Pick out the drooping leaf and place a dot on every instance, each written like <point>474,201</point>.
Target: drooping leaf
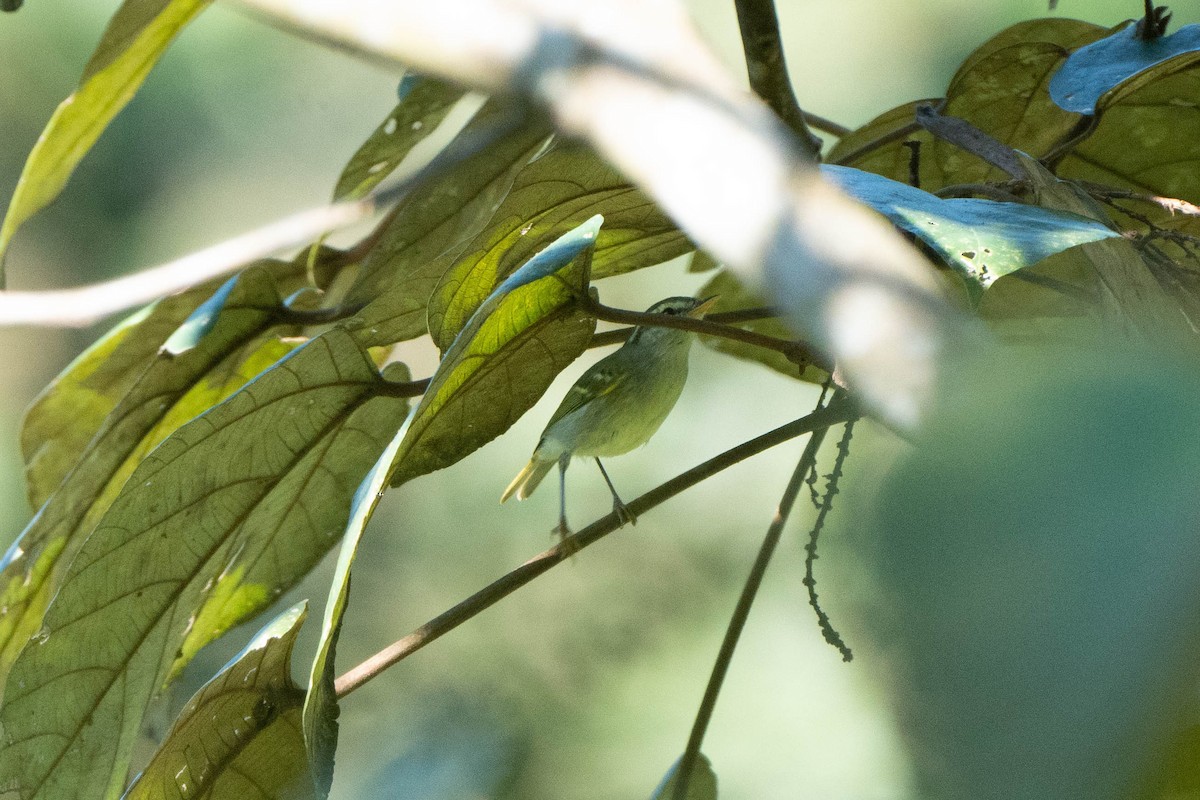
<point>423,106</point>
<point>133,42</point>
<point>981,239</point>
<point>321,706</point>
<point>505,358</point>
<point>31,570</point>
<point>239,737</point>
<point>1124,60</point>
<point>1001,88</point>
<point>701,786</point>
<point>731,296</point>
<point>404,267</point>
<point>553,195</point>
<point>257,488</point>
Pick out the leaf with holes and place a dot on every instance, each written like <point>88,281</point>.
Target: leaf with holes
<point>1001,88</point>
<point>980,239</point>
<point>1123,61</point>
<point>403,268</point>
<point>136,37</point>
<point>506,357</point>
<point>553,195</point>
<point>239,737</point>
<point>701,786</point>
<point>258,486</point>
<point>170,391</point>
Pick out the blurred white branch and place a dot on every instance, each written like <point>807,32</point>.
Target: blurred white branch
<point>85,305</point>
<point>634,79</point>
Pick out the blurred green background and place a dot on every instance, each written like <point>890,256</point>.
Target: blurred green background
<point>584,684</point>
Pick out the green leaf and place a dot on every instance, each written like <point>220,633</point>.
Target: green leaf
<point>170,391</point>
<point>1000,88</point>
<point>239,737</point>
<point>425,103</point>
<point>506,357</point>
<point>731,296</point>
<point>553,195</point>
<point>321,705</point>
<point>701,786</point>
<point>66,415</point>
<point>258,488</point>
<point>1123,60</point>
<point>135,39</point>
<point>981,239</point>
<point>404,267</point>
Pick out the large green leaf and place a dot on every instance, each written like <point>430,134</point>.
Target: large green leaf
<point>982,239</point>
<point>135,39</point>
<point>424,103</point>
<point>239,737</point>
<point>731,296</point>
<point>66,415</point>
<point>171,390</point>
<point>1000,88</point>
<point>405,265</point>
<point>1124,60</point>
<point>701,786</point>
<point>505,358</point>
<point>253,491</point>
<point>556,193</point>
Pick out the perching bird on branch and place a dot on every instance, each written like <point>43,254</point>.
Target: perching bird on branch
<point>616,406</point>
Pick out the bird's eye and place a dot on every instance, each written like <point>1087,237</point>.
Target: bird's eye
<point>671,310</point>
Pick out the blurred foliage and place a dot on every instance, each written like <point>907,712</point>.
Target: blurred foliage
<point>201,458</point>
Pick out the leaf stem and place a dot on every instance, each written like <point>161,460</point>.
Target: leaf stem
<point>767,68</point>
<point>819,420</point>
<point>742,610</point>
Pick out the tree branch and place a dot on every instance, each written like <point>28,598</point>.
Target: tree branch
<point>741,611</point>
<point>447,621</point>
<point>767,67</point>
<point>635,80</point>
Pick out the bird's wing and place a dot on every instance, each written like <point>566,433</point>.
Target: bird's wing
<point>595,383</point>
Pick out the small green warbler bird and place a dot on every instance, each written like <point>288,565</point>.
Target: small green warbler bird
<point>615,406</point>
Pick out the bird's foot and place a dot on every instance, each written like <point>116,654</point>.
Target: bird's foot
<point>564,533</point>
<point>624,515</point>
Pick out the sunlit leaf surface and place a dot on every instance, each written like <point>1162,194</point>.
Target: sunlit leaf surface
<point>982,239</point>
<point>239,737</point>
<point>503,361</point>
<point>557,192</point>
<point>136,37</point>
<point>1093,71</point>
<point>258,486</point>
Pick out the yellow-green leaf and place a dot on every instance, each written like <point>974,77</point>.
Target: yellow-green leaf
<point>135,39</point>
<point>553,195</point>
<point>239,737</point>
<point>504,360</point>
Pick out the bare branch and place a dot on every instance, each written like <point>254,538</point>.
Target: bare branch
<point>499,589</point>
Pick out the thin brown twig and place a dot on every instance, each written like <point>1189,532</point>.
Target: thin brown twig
<point>796,352</point>
<point>741,611</point>
<point>882,141</point>
<point>450,619</point>
<point>619,335</point>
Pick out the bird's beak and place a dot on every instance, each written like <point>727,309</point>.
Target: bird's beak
<point>705,306</point>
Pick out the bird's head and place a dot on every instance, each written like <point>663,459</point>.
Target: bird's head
<point>659,336</point>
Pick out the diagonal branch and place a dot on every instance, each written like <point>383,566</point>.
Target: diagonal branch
<point>447,621</point>
<point>767,67</point>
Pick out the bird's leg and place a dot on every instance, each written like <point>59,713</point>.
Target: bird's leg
<point>620,509</point>
<point>563,530</point>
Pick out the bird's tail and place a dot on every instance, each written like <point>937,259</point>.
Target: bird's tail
<point>527,479</point>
